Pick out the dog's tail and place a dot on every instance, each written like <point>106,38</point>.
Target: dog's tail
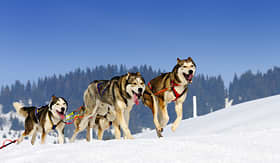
<point>20,109</point>
<point>149,99</point>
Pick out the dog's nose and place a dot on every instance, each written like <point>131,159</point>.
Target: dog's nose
<point>140,90</point>
<point>191,72</point>
<point>62,109</point>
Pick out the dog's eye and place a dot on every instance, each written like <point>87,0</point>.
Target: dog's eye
<point>185,66</point>
<point>134,83</point>
<point>192,66</point>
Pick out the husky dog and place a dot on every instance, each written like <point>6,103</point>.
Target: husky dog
<point>43,119</point>
<point>104,118</point>
<point>111,101</point>
<point>169,87</point>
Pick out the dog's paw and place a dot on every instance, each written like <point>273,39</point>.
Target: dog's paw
<point>173,128</point>
<point>129,137</point>
<point>72,141</point>
<point>159,131</point>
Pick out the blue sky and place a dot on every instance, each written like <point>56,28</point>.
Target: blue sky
<point>43,37</point>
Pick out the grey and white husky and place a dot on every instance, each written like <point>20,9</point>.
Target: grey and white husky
<point>110,102</point>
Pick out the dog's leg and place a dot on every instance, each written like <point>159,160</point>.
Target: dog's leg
<point>89,131</point>
<point>100,133</point>
<point>34,137</point>
<point>179,112</point>
<point>127,117</point>
<point>163,114</point>
<point>123,124</point>
<point>21,137</point>
<point>104,124</point>
<point>117,129</point>
<point>78,129</point>
<point>60,134</point>
<point>43,138</point>
<point>155,115</point>
<point>90,114</point>
<point>74,135</point>
<point>151,101</point>
<point>28,128</point>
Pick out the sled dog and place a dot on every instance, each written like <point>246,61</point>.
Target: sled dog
<point>110,102</point>
<point>43,119</point>
<point>169,87</point>
<point>104,118</point>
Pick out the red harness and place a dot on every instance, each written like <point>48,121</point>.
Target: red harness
<point>173,85</point>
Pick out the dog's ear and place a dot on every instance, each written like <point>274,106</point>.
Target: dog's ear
<point>178,60</point>
<point>128,75</point>
<point>52,99</point>
<point>138,73</point>
<point>191,60</point>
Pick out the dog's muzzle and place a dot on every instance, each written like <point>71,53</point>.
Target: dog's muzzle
<point>137,96</point>
<point>189,76</point>
<point>61,114</point>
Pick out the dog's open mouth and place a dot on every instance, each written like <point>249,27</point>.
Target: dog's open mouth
<point>188,77</point>
<point>136,97</point>
<point>61,115</point>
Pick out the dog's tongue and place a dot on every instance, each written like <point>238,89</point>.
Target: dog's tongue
<point>135,98</point>
<point>190,77</point>
<point>61,116</point>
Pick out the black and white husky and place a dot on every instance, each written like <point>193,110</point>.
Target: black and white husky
<point>43,119</point>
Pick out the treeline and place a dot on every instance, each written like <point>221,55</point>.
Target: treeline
<point>210,91</point>
<point>250,86</point>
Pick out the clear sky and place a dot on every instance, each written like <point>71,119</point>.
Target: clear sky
<point>43,37</point>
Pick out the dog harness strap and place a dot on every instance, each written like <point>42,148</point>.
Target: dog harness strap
<point>78,109</point>
<point>173,84</point>
<point>54,125</point>
<point>72,114</point>
<point>161,91</point>
<point>150,86</point>
<point>177,95</point>
<point>51,120</point>
<point>10,142</point>
<point>37,115</point>
<point>99,89</point>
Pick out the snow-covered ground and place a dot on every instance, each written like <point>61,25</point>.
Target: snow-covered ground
<point>247,133</point>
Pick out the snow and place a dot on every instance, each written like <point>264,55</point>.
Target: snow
<point>245,133</point>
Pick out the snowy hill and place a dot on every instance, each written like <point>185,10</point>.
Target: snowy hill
<point>247,133</point>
